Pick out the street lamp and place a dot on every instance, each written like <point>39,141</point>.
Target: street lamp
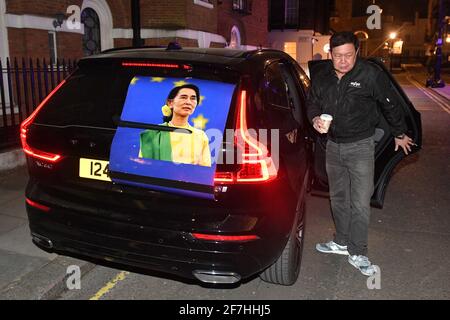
<point>392,37</point>
<point>447,19</point>
<point>313,41</point>
<point>326,49</point>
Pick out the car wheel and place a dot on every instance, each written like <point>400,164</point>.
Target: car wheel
<point>286,269</point>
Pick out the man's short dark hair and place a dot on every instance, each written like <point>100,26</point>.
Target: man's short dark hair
<point>343,37</point>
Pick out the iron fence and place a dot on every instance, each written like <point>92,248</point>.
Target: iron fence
<point>24,83</point>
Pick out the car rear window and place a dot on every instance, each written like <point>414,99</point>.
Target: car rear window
<point>89,98</point>
<point>95,96</point>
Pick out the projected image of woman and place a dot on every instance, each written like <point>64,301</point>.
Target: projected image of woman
<point>189,146</point>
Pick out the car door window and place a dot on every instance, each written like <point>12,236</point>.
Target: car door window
<point>276,88</point>
<point>279,107</point>
<point>305,82</point>
<point>285,113</point>
<point>293,92</point>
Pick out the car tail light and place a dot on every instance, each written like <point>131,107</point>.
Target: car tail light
<point>217,237</point>
<point>33,152</point>
<point>257,166</point>
<point>156,65</point>
<point>37,205</point>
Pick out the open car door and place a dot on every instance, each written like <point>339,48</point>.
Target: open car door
<point>385,157</point>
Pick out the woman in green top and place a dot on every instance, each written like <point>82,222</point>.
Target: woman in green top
<point>178,147</point>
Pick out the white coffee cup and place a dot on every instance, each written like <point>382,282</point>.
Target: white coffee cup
<point>326,118</point>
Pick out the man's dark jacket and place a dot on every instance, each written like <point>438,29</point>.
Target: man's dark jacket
<point>352,101</point>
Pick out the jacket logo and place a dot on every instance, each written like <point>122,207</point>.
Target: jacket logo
<point>355,84</point>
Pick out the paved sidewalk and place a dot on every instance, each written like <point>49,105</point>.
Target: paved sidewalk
<point>26,272</point>
<point>419,73</point>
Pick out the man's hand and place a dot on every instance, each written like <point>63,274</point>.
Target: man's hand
<point>318,124</point>
<point>292,136</point>
<point>405,143</point>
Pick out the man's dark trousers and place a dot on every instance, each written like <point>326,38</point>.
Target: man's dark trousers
<point>350,169</point>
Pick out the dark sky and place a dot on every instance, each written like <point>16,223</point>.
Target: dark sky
<point>402,10</point>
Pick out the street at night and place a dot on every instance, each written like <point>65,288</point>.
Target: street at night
<point>225,158</point>
<point>408,238</point>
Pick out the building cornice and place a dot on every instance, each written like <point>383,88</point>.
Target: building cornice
<point>46,23</point>
<point>36,22</point>
<point>203,38</point>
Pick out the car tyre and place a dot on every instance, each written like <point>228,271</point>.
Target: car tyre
<point>286,269</point>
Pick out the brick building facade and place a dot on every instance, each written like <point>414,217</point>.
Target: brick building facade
<point>300,28</point>
<point>413,25</point>
<point>28,28</point>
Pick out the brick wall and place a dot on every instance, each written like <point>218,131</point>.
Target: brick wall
<point>178,14</point>
<point>201,18</point>
<point>121,43</point>
<point>253,27</point>
<point>69,45</point>
<point>39,7</point>
<point>22,40</point>
<point>34,43</point>
<point>216,45</point>
<point>121,12</point>
<point>155,14</point>
<point>166,14</point>
<point>164,41</point>
<point>120,9</point>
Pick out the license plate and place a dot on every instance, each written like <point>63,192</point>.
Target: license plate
<point>94,169</point>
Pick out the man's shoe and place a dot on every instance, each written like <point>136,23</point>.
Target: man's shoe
<point>332,247</point>
<point>363,264</point>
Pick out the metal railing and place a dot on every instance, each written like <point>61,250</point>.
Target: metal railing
<point>24,84</point>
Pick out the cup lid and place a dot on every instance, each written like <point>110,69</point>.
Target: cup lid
<point>325,116</point>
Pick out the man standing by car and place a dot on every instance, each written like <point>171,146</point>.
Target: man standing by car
<point>349,89</point>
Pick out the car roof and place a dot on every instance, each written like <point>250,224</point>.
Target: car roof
<point>222,56</point>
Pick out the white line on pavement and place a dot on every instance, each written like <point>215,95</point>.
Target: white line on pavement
<point>439,101</point>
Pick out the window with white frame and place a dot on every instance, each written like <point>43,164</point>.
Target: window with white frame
<point>242,6</point>
<point>92,32</point>
<point>291,13</point>
<point>52,46</point>
<point>235,39</point>
<point>291,49</point>
<point>205,3</point>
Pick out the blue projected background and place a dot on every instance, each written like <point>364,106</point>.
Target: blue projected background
<point>145,98</point>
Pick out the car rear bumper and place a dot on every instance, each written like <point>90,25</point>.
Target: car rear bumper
<point>168,251</point>
<point>154,231</point>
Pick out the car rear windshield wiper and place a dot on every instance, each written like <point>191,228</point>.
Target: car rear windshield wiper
<point>141,125</point>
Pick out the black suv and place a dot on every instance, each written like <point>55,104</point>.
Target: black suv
<point>91,193</point>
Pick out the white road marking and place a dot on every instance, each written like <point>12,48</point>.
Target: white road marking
<point>433,96</point>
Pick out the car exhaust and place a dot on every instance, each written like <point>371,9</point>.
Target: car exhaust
<point>42,241</point>
<point>217,277</point>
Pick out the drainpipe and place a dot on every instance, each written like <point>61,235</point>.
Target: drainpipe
<point>438,82</point>
<point>136,23</point>
<point>435,81</point>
